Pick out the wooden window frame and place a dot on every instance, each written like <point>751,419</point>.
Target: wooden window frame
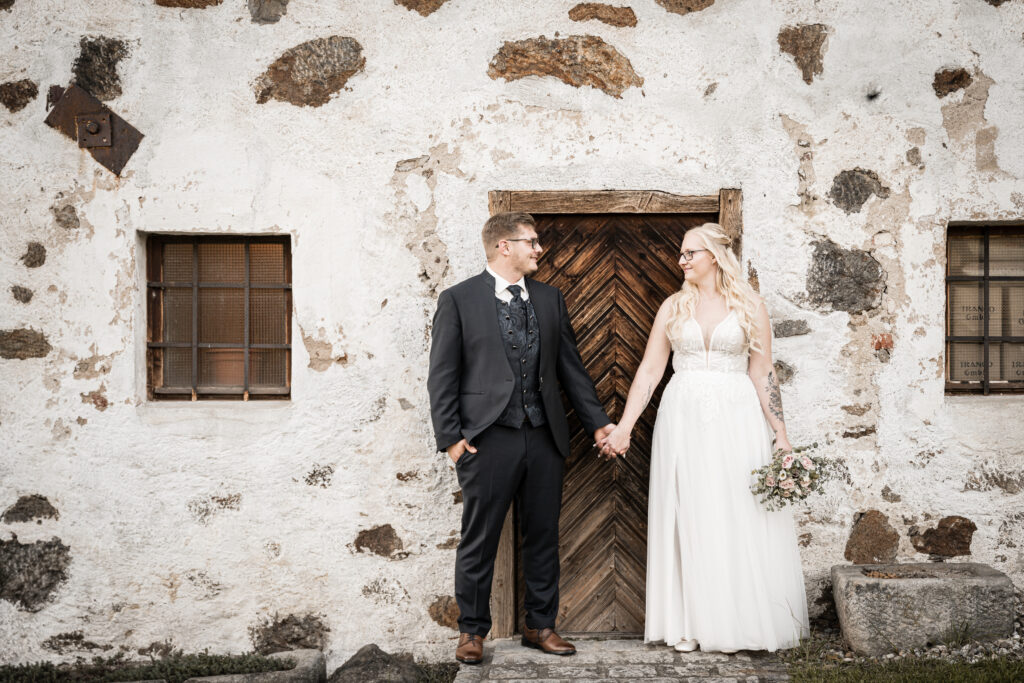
<point>727,204</point>
<point>985,387</point>
<point>155,334</point>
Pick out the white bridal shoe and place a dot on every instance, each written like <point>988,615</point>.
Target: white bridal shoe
<point>686,645</point>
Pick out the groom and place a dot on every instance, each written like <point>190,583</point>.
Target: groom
<point>501,347</point>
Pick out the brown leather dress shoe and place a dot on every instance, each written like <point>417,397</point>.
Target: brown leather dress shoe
<point>470,649</point>
<point>547,640</point>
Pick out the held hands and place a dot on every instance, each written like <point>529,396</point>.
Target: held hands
<point>612,441</point>
<point>456,450</point>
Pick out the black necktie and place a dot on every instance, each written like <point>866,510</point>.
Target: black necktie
<point>515,289</point>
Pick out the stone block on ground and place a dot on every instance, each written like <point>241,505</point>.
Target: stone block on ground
<point>887,607</point>
<point>371,663</point>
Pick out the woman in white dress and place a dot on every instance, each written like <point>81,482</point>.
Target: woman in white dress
<point>722,572</point>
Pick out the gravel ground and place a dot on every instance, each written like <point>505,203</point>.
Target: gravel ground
<point>826,644</point>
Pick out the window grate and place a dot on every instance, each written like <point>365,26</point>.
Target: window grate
<point>985,309</point>
<point>219,312</point>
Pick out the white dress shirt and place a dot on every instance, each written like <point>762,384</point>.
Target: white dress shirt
<point>501,286</point>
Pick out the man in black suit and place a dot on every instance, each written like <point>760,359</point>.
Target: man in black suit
<point>501,347</point>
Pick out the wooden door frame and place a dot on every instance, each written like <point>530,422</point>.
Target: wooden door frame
<point>728,204</point>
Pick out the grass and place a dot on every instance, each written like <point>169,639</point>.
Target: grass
<point>909,671</point>
<point>438,673</point>
<point>174,669</point>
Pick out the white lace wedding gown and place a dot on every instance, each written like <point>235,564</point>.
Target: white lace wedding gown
<point>720,568</point>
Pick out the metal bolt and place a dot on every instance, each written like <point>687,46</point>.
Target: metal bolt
<point>92,127</point>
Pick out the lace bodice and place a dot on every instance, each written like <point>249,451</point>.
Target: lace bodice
<point>726,353</point>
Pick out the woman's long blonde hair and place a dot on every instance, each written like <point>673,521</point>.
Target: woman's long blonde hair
<point>739,295</point>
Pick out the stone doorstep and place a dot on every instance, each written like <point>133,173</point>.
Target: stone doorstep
<point>507,661</point>
<point>921,604</point>
<point>310,667</point>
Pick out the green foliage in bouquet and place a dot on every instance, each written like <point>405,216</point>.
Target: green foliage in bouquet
<point>791,476</point>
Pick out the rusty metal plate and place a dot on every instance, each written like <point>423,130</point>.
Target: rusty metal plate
<point>93,130</point>
<point>72,104</point>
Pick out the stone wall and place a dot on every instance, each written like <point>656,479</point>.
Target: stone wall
<point>371,136</point>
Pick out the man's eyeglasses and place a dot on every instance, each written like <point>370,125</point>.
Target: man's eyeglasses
<point>534,242</point>
<point>688,254</point>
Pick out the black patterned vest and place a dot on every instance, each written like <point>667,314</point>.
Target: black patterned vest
<point>520,333</point>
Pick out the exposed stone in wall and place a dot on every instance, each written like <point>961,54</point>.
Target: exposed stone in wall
<point>445,611</point>
<point>370,663</point>
<point>790,328</point>
<point>92,367</point>
<point>783,371</point>
<point>805,43</point>
<point>321,352</point>
<point>575,60</point>
<point>950,80</point>
<point>803,148</point>
<point>964,121</point>
<point>859,432</point>
<point>450,543</point>
<point>15,95</point>
<point>850,189</point>
<point>267,11</point>
<point>188,4</point>
<point>914,156</point>
<point>28,508</point>
<point>872,539</point>
<point>66,216</point>
<point>848,280</point>
<point>23,343</point>
<point>457,497</point>
<point>987,479</point>
<point>34,256</point>
<point>96,398</point>
<point>160,649</point>
<point>380,540</point>
<point>320,476</point>
<point>386,591</point>
<point>424,7</point>
<point>21,294</point>
<point>308,74</point>
<point>890,497</point>
<point>291,632</point>
<point>685,6</point>
<point>752,278</point>
<point>6,4</point>
<point>951,537</point>
<point>203,508</point>
<point>95,68</point>
<point>858,409</point>
<point>609,14</point>
<point>64,643</point>
<point>31,572</point>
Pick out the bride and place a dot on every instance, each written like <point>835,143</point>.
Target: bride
<point>722,572</point>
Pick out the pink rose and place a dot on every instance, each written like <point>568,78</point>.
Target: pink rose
<point>787,485</point>
<point>787,462</point>
<point>807,463</point>
<point>769,481</point>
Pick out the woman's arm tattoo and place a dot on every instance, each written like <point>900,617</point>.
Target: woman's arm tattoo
<point>774,397</point>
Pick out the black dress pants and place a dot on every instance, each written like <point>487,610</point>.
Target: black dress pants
<point>525,465</point>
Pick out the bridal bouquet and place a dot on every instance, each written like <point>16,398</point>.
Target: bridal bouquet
<point>791,476</point>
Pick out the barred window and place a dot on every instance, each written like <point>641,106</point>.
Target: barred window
<point>985,309</point>
<point>219,312</point>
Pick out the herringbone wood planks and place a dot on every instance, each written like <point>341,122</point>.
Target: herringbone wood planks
<point>615,271</point>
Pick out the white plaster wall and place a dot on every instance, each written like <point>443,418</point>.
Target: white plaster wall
<point>214,161</point>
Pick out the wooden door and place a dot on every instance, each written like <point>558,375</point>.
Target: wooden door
<point>614,270</point>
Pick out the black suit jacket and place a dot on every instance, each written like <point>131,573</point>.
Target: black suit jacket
<point>470,380</point>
